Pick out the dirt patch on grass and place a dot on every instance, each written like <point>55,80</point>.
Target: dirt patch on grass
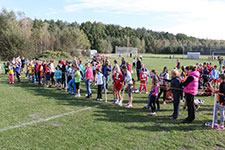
<point>36,116</point>
<point>56,124</point>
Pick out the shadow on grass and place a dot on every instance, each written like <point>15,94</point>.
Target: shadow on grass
<point>157,123</point>
<point>113,113</point>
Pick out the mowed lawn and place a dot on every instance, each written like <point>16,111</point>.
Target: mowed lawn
<point>99,125</point>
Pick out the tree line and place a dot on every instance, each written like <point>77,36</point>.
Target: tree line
<point>20,35</point>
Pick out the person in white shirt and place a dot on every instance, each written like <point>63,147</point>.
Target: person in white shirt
<point>99,79</point>
<point>52,70</point>
<point>129,82</point>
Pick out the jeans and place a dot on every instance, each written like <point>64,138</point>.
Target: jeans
<point>72,82</point>
<point>221,109</point>
<point>88,86</point>
<point>105,82</point>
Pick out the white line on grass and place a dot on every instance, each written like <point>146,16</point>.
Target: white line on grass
<point>46,119</point>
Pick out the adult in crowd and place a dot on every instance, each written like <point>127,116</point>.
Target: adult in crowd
<point>106,70</point>
<point>138,67</point>
<point>190,90</point>
<point>123,62</point>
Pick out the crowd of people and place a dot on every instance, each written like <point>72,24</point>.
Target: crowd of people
<point>98,71</point>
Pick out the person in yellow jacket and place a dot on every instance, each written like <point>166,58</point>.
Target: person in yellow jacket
<point>11,73</point>
<point>31,71</point>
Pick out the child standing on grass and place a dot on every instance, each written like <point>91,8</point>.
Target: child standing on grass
<point>163,84</point>
<point>48,75</point>
<point>118,84</point>
<point>153,95</point>
<point>58,76</point>
<point>88,80</point>
<point>129,82</point>
<point>41,74</point>
<point>215,77</point>
<point>77,81</point>
<point>220,105</point>
<point>112,78</point>
<point>72,81</point>
<point>5,66</point>
<point>31,71</point>
<point>11,73</point>
<point>143,77</point>
<point>99,79</point>
<point>17,70</point>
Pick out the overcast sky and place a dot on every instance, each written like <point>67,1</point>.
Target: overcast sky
<point>199,18</point>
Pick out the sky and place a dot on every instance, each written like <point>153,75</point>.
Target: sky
<point>198,18</point>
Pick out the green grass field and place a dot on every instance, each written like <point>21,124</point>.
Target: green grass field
<point>99,125</point>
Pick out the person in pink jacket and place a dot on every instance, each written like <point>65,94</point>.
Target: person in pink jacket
<point>153,95</point>
<point>88,80</point>
<point>190,90</point>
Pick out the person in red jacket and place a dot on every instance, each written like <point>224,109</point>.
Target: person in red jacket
<point>143,78</point>
<point>118,83</point>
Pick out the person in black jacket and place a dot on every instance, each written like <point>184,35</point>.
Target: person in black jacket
<point>138,68</point>
<point>177,91</point>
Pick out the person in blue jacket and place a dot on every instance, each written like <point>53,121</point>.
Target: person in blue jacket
<point>17,70</point>
<point>106,69</point>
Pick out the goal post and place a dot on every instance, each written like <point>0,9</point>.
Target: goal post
<point>193,55</point>
<point>126,50</point>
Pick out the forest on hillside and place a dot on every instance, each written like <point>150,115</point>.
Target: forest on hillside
<point>20,35</point>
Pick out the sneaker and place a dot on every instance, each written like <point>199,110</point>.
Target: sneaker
<point>219,128</point>
<point>129,106</point>
<point>209,124</point>
<point>197,108</point>
<point>97,99</point>
<point>100,99</point>
<point>78,95</point>
<point>117,102</point>
<point>152,114</point>
<point>146,107</point>
<point>120,103</point>
<point>114,99</point>
<point>164,102</point>
<point>146,92</point>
